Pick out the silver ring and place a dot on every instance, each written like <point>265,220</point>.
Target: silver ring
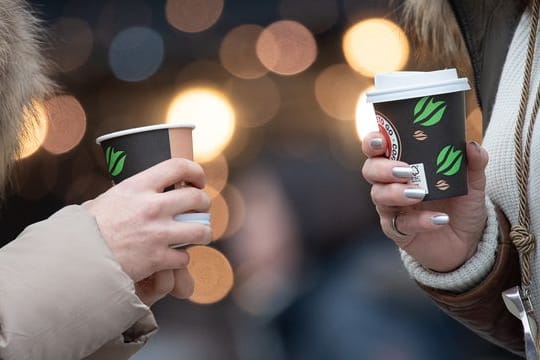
<point>394,226</point>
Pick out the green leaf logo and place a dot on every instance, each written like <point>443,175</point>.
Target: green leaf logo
<point>115,160</point>
<point>449,160</point>
<point>428,112</point>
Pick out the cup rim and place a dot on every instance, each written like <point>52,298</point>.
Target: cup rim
<point>140,129</point>
<point>397,85</point>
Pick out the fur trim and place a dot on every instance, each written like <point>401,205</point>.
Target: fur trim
<point>23,75</point>
<point>435,34</point>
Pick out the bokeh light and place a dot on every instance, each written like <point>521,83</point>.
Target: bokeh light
<point>337,88</point>
<point>219,212</point>
<point>237,209</point>
<point>286,47</point>
<point>375,45</point>
<point>366,120</point>
<point>34,138</point>
<point>256,101</point>
<point>66,126</point>
<point>217,173</point>
<point>237,52</point>
<point>213,116</point>
<point>73,43</point>
<point>212,274</point>
<point>316,15</point>
<point>136,53</point>
<point>193,15</point>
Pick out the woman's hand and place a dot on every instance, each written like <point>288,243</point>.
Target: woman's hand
<point>441,234</point>
<point>136,219</point>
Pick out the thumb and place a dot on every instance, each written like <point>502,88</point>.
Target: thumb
<point>477,159</point>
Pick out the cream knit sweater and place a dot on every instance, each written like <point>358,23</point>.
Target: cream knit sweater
<point>502,188</point>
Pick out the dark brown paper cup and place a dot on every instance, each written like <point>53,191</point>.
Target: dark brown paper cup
<point>131,151</point>
<point>422,117</point>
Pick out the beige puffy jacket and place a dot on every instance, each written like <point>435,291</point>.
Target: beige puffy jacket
<point>64,296</point>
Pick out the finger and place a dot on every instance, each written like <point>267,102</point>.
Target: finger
<point>173,259</point>
<point>155,287</point>
<point>396,194</point>
<point>185,199</point>
<point>382,170</point>
<point>189,233</point>
<point>412,223</point>
<point>168,173</point>
<point>477,159</point>
<point>183,284</point>
<point>374,144</point>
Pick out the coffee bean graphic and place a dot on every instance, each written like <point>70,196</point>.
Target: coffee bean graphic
<point>420,135</point>
<point>442,185</point>
<point>449,160</point>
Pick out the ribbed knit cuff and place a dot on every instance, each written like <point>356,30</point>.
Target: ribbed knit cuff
<point>469,274</point>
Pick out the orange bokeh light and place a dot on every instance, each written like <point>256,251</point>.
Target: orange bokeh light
<point>237,52</point>
<point>212,274</point>
<point>219,212</point>
<point>74,43</point>
<point>375,45</point>
<point>337,88</point>
<point>286,47</point>
<point>193,16</point>
<point>217,173</point>
<point>67,124</point>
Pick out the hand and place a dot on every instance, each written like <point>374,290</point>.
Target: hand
<point>155,287</point>
<point>135,217</point>
<point>441,234</point>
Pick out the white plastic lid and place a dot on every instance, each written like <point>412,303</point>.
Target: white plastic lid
<point>113,135</point>
<point>401,85</point>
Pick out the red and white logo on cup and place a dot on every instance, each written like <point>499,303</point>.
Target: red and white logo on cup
<point>393,142</point>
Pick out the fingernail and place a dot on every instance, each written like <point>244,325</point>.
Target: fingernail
<point>476,146</point>
<point>416,193</point>
<point>376,143</point>
<point>402,172</point>
<point>440,219</point>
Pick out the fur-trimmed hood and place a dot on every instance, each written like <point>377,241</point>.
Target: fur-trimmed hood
<point>435,34</point>
<point>23,78</point>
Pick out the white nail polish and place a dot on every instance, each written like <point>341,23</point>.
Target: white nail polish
<point>440,219</point>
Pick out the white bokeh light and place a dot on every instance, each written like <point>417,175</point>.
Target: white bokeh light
<point>366,120</point>
<point>213,116</point>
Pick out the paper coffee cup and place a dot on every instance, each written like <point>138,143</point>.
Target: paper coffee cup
<point>422,117</point>
<point>131,151</point>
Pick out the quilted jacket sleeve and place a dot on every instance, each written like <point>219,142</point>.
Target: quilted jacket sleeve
<point>64,296</point>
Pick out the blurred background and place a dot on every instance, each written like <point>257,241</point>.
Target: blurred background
<point>275,89</point>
